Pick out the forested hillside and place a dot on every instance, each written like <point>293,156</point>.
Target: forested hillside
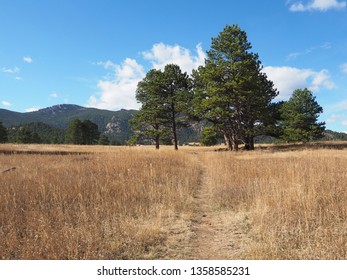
<point>50,124</point>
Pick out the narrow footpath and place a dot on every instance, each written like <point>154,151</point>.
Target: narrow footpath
<point>216,233</point>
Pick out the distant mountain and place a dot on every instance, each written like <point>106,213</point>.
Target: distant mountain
<point>112,123</point>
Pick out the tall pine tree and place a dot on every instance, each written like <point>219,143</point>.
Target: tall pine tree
<point>152,118</point>
<point>164,96</point>
<point>231,91</point>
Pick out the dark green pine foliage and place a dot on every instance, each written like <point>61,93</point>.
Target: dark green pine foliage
<point>46,133</point>
<point>74,134</point>
<point>90,133</point>
<point>25,135</point>
<point>3,134</point>
<point>231,91</point>
<point>152,119</point>
<point>300,117</point>
<point>82,133</point>
<point>209,136</point>
<point>103,140</point>
<point>164,98</point>
<point>177,98</point>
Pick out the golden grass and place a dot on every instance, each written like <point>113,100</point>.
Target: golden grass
<point>138,203</point>
<point>296,202</point>
<point>114,203</point>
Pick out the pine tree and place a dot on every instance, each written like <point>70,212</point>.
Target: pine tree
<point>231,91</point>
<point>3,134</point>
<point>300,117</point>
<point>152,118</point>
<point>164,97</point>
<point>74,133</point>
<point>177,98</point>
<point>82,133</point>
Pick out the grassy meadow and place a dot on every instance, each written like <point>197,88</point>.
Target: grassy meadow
<point>293,204</point>
<point>111,203</point>
<point>80,202</point>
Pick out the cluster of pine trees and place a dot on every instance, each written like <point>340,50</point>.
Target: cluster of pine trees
<point>231,93</point>
<point>79,132</point>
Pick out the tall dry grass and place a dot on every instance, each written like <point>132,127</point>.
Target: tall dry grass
<point>294,203</point>
<point>70,202</point>
<point>113,203</point>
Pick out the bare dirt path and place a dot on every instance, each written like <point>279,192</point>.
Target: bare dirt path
<point>217,234</point>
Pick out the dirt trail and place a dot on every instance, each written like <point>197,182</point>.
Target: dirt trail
<point>217,234</point>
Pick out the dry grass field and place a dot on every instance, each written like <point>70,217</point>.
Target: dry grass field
<point>293,205</point>
<point>113,203</point>
<point>72,202</point>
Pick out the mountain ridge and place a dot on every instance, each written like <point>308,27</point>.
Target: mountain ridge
<point>114,124</point>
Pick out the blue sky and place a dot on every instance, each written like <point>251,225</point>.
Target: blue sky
<point>93,53</point>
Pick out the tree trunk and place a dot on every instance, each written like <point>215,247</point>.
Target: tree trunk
<point>249,143</point>
<point>236,143</point>
<point>174,132</point>
<point>228,142</point>
<point>157,137</point>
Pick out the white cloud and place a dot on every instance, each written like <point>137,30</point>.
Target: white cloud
<point>162,54</point>
<point>53,95</point>
<point>10,70</point>
<point>319,5</point>
<point>326,46</point>
<point>288,79</point>
<point>27,59</point>
<point>321,79</point>
<point>6,103</point>
<point>294,55</point>
<point>344,68</point>
<point>118,92</point>
<point>107,64</point>
<point>32,109</point>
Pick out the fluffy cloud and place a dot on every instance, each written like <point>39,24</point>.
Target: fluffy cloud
<point>118,91</point>
<point>287,79</point>
<point>320,5</point>
<point>162,54</point>
<point>27,59</point>
<point>6,103</point>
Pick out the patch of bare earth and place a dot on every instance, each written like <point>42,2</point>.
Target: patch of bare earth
<point>217,234</point>
<point>208,232</point>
